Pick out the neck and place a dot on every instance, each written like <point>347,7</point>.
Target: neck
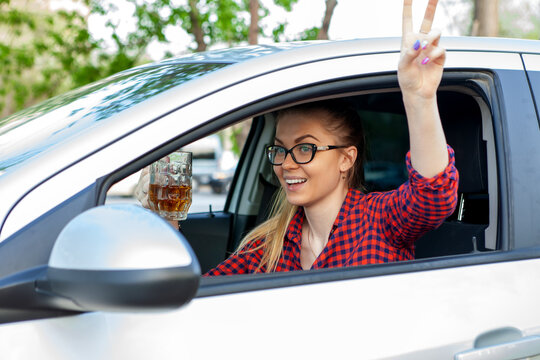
<point>321,217</point>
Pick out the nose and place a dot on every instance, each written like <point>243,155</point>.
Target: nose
<point>289,163</point>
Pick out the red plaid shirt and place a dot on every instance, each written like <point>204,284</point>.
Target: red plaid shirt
<point>370,228</point>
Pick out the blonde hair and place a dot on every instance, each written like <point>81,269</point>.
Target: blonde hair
<point>343,120</point>
<point>272,231</point>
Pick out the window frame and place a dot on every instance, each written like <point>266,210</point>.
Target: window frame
<point>479,84</point>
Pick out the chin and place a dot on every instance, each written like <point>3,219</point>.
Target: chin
<point>294,199</point>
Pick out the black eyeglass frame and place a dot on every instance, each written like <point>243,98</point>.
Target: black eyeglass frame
<point>314,149</point>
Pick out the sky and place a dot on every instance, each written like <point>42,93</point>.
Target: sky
<point>351,19</point>
<point>364,18</point>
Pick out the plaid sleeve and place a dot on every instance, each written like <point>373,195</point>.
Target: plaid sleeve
<point>244,261</point>
<point>420,204</point>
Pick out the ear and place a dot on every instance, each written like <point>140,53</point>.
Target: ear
<point>349,157</point>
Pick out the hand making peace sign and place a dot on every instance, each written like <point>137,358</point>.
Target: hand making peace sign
<point>421,63</point>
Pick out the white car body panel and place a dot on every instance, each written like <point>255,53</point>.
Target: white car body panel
<point>532,62</point>
<point>438,317</point>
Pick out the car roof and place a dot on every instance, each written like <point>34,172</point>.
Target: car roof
<point>360,46</point>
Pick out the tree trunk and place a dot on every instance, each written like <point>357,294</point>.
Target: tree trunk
<point>323,33</point>
<point>486,18</point>
<point>196,28</point>
<point>254,24</point>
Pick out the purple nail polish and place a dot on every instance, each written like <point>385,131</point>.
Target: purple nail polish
<point>416,45</point>
<point>425,61</point>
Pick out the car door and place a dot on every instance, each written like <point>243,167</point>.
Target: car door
<point>532,65</point>
<point>424,309</point>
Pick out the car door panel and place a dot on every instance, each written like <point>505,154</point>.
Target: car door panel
<point>416,315</point>
<point>208,234</point>
<point>532,64</point>
<point>31,246</point>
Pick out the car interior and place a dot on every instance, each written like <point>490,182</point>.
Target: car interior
<point>467,122</point>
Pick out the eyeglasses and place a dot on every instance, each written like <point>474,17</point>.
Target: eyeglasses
<point>301,153</point>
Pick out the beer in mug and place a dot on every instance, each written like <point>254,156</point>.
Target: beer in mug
<point>169,193</point>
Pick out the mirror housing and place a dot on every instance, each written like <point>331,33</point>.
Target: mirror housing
<point>120,258</point>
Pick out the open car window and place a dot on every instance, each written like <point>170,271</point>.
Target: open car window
<point>214,161</point>
<point>468,127</point>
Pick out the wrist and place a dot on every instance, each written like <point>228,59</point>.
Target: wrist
<point>419,104</point>
<point>415,98</point>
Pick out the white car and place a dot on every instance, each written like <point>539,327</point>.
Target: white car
<point>83,280</point>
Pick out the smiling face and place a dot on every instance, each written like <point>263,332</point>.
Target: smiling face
<point>324,178</point>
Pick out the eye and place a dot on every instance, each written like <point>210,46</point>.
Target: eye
<point>279,150</point>
<point>305,148</point>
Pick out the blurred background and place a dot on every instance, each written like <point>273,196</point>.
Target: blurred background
<point>50,46</point>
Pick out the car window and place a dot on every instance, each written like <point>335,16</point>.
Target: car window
<point>215,158</point>
<point>470,229</point>
<point>387,142</point>
<point>214,161</point>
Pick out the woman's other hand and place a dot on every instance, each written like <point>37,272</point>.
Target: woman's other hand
<point>422,59</point>
<point>141,190</point>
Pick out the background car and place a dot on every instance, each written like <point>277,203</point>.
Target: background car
<point>80,279</point>
<point>212,164</point>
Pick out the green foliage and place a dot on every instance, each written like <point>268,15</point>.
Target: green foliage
<point>310,34</point>
<point>286,4</point>
<point>278,32</point>
<point>42,54</point>
<point>45,53</point>
<point>221,21</point>
<point>519,22</point>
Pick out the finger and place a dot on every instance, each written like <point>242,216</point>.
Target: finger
<point>141,190</point>
<point>144,203</point>
<point>422,49</point>
<point>432,39</point>
<point>429,16</point>
<point>407,17</point>
<point>146,184</point>
<point>437,55</point>
<point>435,37</point>
<point>408,55</point>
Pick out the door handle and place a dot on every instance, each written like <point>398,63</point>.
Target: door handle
<point>516,349</point>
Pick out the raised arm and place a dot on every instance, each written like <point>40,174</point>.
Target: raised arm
<point>419,73</point>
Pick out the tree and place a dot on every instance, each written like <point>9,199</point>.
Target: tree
<point>486,18</point>
<point>42,53</point>
<point>330,6</point>
<point>321,33</point>
<point>254,22</point>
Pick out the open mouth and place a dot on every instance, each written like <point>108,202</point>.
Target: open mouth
<point>295,181</point>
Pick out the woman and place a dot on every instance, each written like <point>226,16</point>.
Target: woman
<point>322,218</point>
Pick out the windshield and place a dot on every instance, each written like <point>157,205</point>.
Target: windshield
<point>33,130</point>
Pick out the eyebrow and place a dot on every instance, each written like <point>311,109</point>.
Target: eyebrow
<point>303,137</point>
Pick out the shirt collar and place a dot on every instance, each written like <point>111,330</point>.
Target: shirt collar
<point>294,231</point>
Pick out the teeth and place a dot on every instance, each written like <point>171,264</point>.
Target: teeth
<point>295,181</point>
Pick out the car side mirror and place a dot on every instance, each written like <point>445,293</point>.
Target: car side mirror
<point>121,258</point>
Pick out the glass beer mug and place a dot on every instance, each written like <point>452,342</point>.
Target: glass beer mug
<point>169,193</point>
